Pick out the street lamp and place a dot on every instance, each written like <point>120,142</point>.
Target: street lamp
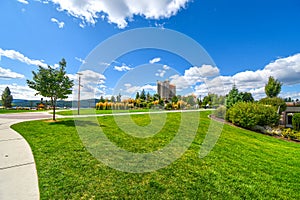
<point>79,80</point>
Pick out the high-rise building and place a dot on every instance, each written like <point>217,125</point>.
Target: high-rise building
<point>166,90</point>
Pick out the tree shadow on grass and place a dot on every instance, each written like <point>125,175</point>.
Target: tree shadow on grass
<point>71,123</point>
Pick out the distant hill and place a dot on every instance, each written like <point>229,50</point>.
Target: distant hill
<point>88,103</point>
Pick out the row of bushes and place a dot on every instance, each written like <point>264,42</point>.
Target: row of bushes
<point>249,114</point>
<point>142,104</point>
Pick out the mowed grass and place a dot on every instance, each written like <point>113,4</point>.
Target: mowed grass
<point>6,111</point>
<point>242,165</point>
<point>94,111</point>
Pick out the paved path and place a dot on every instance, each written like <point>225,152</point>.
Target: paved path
<point>18,175</point>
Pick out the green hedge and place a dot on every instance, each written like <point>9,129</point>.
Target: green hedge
<point>248,115</point>
<point>275,101</point>
<point>296,121</point>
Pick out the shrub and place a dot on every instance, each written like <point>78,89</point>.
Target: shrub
<point>291,134</point>
<point>296,121</point>
<point>275,101</point>
<point>220,112</point>
<point>248,115</point>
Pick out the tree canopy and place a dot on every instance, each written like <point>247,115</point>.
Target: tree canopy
<point>52,83</point>
<point>6,98</point>
<point>273,87</point>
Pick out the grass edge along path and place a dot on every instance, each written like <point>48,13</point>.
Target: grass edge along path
<point>242,165</point>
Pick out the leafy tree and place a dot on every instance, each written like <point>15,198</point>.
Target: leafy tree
<point>273,87</point>
<point>156,97</point>
<point>52,83</point>
<point>207,100</point>
<point>102,100</point>
<point>7,98</point>
<point>112,99</point>
<point>174,99</point>
<point>233,97</point>
<point>143,95</point>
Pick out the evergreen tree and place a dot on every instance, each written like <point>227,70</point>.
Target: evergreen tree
<point>143,95</point>
<point>7,98</point>
<point>137,96</point>
<point>247,97</point>
<point>233,97</point>
<point>148,96</point>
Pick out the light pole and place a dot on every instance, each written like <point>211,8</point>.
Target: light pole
<point>79,80</point>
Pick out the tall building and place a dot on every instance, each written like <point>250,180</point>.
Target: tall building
<point>166,90</point>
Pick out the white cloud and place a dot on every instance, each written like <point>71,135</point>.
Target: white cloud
<point>60,24</point>
<point>21,91</point>
<point>80,60</point>
<point>8,74</point>
<point>122,11</point>
<point>160,73</point>
<point>194,75</point>
<point>166,67</point>
<point>23,1</point>
<point>44,2</point>
<point>122,68</point>
<point>92,84</point>
<point>286,70</point>
<point>132,90</point>
<point>15,55</point>
<point>154,60</point>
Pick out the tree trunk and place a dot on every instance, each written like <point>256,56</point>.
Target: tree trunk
<point>53,112</point>
<point>53,102</point>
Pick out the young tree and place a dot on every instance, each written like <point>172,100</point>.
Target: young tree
<point>119,98</point>
<point>148,97</point>
<point>52,83</point>
<point>273,87</point>
<point>6,98</point>
<point>174,99</point>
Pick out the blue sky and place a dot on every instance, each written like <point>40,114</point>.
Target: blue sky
<point>247,41</point>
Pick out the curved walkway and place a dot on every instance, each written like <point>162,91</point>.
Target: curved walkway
<point>18,175</point>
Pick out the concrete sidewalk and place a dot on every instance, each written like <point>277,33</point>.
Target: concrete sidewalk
<point>18,174</point>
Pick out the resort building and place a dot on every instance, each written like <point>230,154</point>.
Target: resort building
<point>166,90</point>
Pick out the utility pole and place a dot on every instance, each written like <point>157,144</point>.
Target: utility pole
<point>79,85</point>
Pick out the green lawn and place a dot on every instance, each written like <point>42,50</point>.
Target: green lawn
<point>242,165</point>
<point>5,111</point>
<point>94,111</point>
